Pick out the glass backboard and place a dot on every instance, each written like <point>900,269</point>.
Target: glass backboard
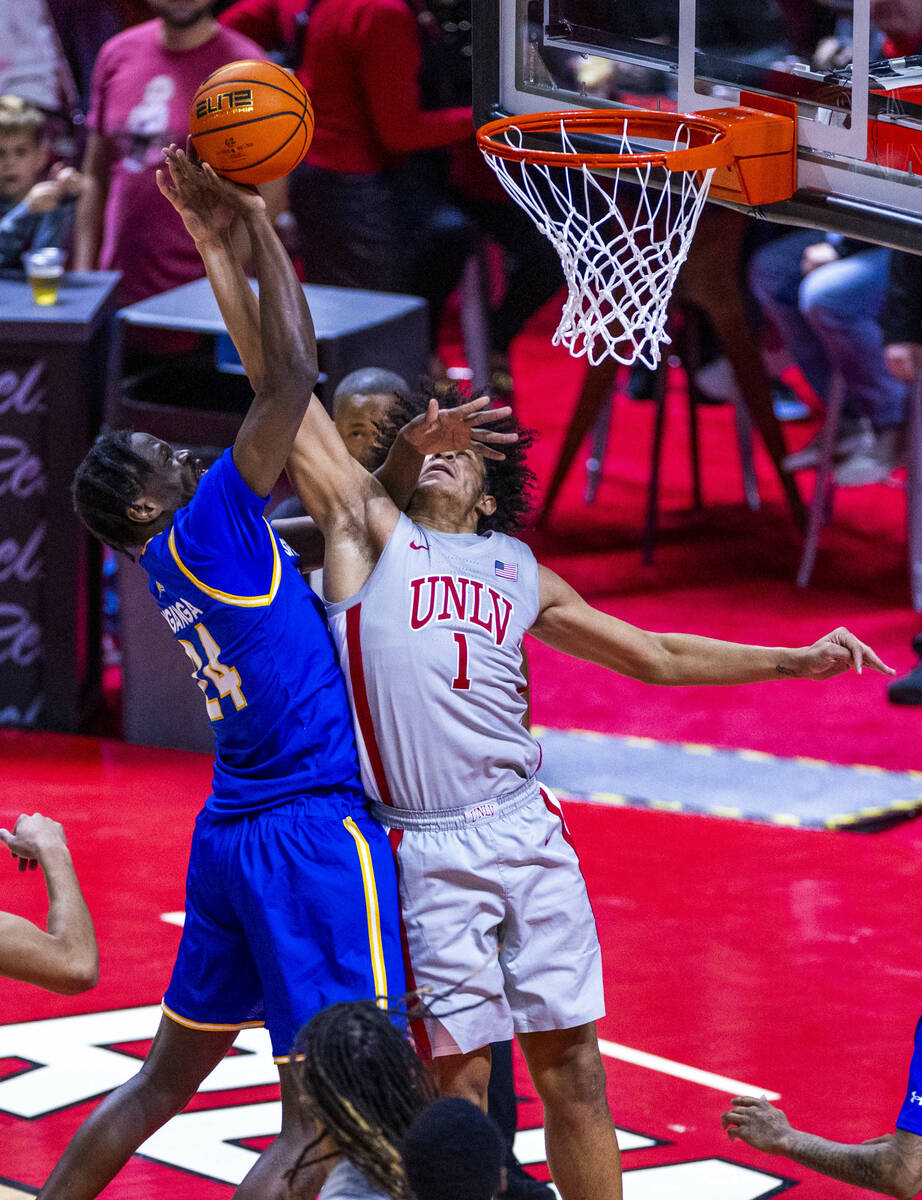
<point>850,65</point>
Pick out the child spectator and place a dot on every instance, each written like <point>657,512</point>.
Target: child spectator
<point>34,212</point>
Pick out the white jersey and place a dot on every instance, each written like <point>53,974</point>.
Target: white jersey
<point>431,648</point>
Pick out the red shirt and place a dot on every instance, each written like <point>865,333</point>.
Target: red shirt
<point>360,66</point>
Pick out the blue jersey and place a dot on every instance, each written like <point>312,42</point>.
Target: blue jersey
<point>910,1117</point>
<point>259,648</point>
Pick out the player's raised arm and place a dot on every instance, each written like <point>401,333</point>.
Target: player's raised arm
<point>284,364</point>
<point>209,206</point>
<point>566,622</point>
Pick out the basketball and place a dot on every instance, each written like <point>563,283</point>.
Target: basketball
<point>251,121</point>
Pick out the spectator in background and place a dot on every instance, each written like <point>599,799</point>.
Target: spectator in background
<point>902,323</point>
<point>31,64</point>
<point>393,177</point>
<point>824,295</point>
<point>63,958</point>
<point>82,27</point>
<point>363,220</point>
<point>34,212</point>
<point>142,87</point>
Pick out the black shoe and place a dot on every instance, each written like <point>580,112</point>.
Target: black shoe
<point>522,1186</point>
<point>640,382</point>
<point>907,690</point>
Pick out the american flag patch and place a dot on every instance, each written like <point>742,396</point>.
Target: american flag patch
<point>505,570</point>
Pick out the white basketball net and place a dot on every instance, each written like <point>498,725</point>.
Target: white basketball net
<point>620,264</point>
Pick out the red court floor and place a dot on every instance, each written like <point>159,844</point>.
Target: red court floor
<point>786,960</point>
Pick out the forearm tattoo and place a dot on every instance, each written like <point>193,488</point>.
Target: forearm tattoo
<point>869,1167</point>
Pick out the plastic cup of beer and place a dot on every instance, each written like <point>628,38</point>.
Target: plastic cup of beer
<point>44,270</point>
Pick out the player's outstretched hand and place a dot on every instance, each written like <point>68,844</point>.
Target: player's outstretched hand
<point>754,1121</point>
<point>440,430</point>
<point>836,653</point>
<point>31,838</point>
<point>208,204</point>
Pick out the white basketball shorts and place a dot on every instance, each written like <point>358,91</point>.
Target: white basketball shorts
<point>499,929</point>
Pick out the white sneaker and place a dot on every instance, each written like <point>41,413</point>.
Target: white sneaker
<point>875,464</point>
<point>852,437</point>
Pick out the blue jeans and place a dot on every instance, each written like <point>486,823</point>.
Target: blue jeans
<point>829,321</point>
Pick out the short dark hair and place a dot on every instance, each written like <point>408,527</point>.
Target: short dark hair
<point>510,480</point>
<point>109,479</point>
<point>362,1084</point>
<point>453,1151</point>
<point>370,381</point>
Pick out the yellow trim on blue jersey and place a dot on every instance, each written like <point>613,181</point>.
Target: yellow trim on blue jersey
<point>379,971</point>
<point>208,1028</point>
<point>228,597</point>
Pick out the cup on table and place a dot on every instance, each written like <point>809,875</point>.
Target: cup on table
<point>44,270</point>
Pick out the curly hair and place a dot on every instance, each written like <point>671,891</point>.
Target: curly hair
<point>510,481</point>
<point>108,480</point>
<point>363,1084</point>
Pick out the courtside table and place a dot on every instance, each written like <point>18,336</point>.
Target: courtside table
<point>54,375</point>
<point>354,328</point>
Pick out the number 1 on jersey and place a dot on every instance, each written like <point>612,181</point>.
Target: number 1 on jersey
<point>461,682</point>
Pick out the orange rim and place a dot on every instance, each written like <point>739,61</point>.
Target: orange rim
<point>709,138</point>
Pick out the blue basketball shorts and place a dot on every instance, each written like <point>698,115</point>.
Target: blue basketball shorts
<point>910,1117</point>
<point>287,911</point>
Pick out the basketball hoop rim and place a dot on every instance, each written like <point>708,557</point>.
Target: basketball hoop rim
<point>714,152</point>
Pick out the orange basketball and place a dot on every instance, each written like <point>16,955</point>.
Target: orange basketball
<point>252,121</point>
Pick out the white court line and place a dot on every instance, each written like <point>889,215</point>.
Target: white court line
<point>653,1062</point>
<point>639,1058</point>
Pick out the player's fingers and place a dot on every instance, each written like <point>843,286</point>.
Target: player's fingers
<point>33,864</point>
<point>471,407</point>
<point>487,452</point>
<point>164,187</point>
<point>491,414</point>
<point>857,653</point>
<point>432,411</point>
<point>23,864</point>
<point>5,836</point>
<point>191,152</point>
<point>491,435</point>
<point>876,663</point>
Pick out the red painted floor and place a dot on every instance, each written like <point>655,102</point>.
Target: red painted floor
<point>783,959</point>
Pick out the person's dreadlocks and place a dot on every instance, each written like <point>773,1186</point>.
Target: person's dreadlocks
<point>108,480</point>
<point>509,480</point>
<point>363,1084</point>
